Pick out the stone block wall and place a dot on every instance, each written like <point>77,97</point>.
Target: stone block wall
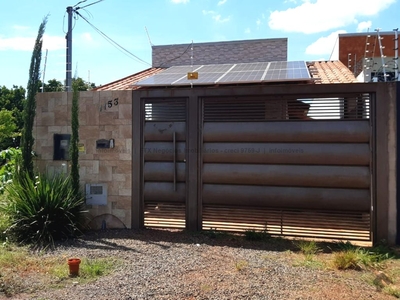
<point>102,115</point>
<point>220,52</point>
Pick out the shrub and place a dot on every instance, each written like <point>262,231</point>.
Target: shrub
<point>8,161</point>
<point>42,210</point>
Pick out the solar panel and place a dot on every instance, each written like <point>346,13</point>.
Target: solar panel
<point>231,73</point>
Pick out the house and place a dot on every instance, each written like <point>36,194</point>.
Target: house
<point>233,151</point>
<point>370,55</point>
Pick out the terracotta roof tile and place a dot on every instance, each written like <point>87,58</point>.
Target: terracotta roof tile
<point>127,83</point>
<point>325,72</point>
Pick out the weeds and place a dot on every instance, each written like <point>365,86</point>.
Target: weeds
<point>240,265</point>
<point>253,235</point>
<point>18,263</point>
<point>358,258</point>
<point>89,269</point>
<point>213,233</point>
<point>393,291</point>
<point>308,248</point>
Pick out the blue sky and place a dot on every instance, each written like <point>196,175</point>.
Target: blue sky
<point>311,27</point>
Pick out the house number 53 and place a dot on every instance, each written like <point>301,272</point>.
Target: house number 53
<point>111,103</point>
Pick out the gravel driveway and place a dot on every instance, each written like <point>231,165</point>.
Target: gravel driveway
<point>163,264</point>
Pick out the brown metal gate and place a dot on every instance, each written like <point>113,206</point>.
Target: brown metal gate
<point>255,162</point>
<point>163,156</point>
<point>262,170</point>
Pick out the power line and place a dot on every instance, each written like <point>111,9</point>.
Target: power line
<point>110,40</point>
<point>179,56</point>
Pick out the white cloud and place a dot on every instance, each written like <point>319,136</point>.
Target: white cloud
<point>20,27</point>
<point>27,43</point>
<point>208,12</point>
<point>53,42</point>
<point>363,26</point>
<point>216,17</point>
<point>180,1</point>
<point>87,37</point>
<point>324,15</point>
<point>258,22</point>
<point>219,19</point>
<point>325,46</point>
<point>222,2</point>
<point>247,31</point>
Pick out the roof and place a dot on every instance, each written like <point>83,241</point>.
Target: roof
<point>127,83</point>
<point>323,72</point>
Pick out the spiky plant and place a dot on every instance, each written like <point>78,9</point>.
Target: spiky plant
<point>42,210</point>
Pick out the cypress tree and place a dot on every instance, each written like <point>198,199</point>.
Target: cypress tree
<point>74,150</point>
<point>30,104</point>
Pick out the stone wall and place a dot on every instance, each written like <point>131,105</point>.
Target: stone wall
<point>102,115</point>
<point>220,52</point>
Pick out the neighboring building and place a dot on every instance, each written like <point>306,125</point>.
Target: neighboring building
<point>147,154</point>
<point>362,54</point>
<point>220,52</point>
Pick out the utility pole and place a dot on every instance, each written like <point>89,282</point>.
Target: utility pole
<point>68,75</point>
<point>71,10</point>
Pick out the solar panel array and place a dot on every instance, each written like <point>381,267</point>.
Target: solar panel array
<point>231,74</point>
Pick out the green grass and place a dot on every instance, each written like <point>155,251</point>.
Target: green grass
<point>393,291</point>
<point>17,263</point>
<point>308,248</point>
<point>89,269</point>
<point>358,258</point>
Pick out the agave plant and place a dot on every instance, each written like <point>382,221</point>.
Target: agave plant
<point>42,210</point>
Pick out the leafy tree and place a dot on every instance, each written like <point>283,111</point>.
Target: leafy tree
<point>74,150</point>
<point>30,104</point>
<point>82,85</point>
<point>13,100</point>
<point>7,127</point>
<point>53,85</point>
<point>9,160</point>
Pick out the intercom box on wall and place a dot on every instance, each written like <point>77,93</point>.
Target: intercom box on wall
<point>61,146</point>
<point>104,144</point>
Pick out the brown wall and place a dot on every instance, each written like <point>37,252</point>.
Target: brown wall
<point>106,166</point>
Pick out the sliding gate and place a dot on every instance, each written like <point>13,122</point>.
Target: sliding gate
<point>287,165</point>
<point>269,165</point>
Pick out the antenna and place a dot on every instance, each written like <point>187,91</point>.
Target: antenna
<point>44,70</point>
<point>148,36</point>
<point>71,10</point>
